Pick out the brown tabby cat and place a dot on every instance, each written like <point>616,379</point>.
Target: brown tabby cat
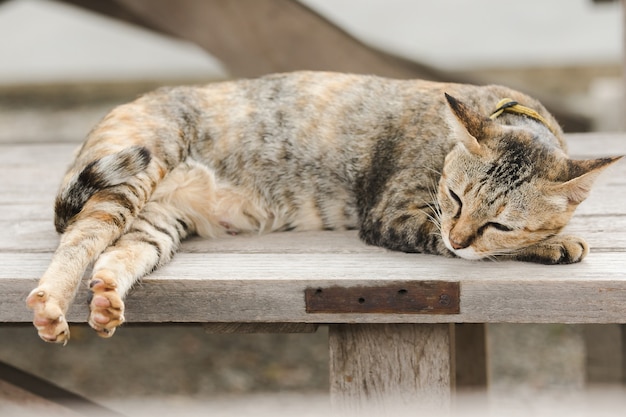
<point>412,168</point>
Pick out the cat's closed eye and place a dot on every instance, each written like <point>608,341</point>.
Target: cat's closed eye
<point>458,201</point>
<point>498,226</point>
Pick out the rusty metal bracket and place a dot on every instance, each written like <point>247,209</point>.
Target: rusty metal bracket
<point>400,297</point>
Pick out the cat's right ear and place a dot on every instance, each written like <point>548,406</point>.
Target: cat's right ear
<point>467,125</point>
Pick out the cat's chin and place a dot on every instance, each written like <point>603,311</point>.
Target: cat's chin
<point>466,253</point>
<point>469,254</point>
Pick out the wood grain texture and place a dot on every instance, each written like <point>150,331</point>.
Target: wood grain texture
<point>389,369</point>
<point>220,328</point>
<point>270,288</point>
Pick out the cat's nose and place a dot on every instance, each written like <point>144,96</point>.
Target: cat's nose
<point>458,244</point>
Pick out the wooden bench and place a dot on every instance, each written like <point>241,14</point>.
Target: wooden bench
<point>389,313</point>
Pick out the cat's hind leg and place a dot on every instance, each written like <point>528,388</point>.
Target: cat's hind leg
<point>83,241</point>
<point>150,242</point>
<point>93,209</point>
<point>188,200</point>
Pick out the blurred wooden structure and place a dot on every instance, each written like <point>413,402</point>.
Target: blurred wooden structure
<point>256,37</point>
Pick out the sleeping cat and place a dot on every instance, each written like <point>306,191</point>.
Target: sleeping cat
<point>416,166</point>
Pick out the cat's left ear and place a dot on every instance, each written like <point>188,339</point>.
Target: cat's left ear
<point>468,125</point>
<point>582,176</point>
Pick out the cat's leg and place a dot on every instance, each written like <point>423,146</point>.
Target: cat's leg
<point>404,219</point>
<point>188,200</point>
<point>101,220</point>
<point>151,241</point>
<point>83,241</point>
<point>560,249</point>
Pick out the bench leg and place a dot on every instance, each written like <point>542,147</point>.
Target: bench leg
<point>383,369</point>
<point>470,340</point>
<point>604,346</point>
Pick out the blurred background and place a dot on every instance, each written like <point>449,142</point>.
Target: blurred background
<point>63,67</point>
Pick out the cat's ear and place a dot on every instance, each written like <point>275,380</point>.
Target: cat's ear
<point>467,125</point>
<point>582,176</point>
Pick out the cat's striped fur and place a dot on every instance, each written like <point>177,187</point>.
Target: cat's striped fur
<point>411,170</point>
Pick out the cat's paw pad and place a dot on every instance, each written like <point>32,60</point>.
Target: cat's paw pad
<point>49,319</point>
<point>106,305</point>
<point>558,250</point>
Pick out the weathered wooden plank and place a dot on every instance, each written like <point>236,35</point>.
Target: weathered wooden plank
<point>269,287</point>
<point>596,145</point>
<point>390,369</point>
<point>219,328</point>
<point>32,173</point>
<point>304,243</point>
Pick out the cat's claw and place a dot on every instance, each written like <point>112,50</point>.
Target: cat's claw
<point>49,319</point>
<point>106,305</point>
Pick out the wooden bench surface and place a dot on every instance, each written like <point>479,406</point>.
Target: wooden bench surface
<point>261,279</point>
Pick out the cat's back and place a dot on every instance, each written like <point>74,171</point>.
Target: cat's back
<point>313,113</point>
<point>335,103</point>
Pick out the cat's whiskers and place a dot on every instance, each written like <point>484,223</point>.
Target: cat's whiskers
<point>490,258</point>
<point>433,170</point>
<point>497,255</point>
<point>435,217</point>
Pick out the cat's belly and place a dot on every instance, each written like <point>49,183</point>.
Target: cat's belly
<point>215,207</point>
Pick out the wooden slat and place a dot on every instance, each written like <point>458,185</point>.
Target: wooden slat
<point>270,288</point>
<point>246,328</point>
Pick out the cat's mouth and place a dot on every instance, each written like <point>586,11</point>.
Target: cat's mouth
<point>468,252</point>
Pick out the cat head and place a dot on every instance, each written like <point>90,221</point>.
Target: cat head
<point>504,188</point>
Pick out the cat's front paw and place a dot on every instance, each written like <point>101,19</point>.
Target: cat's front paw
<point>557,250</point>
<point>49,319</point>
<point>105,305</point>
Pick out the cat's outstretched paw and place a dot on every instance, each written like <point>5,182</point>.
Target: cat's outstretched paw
<point>106,305</point>
<point>49,317</point>
<point>557,250</point>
